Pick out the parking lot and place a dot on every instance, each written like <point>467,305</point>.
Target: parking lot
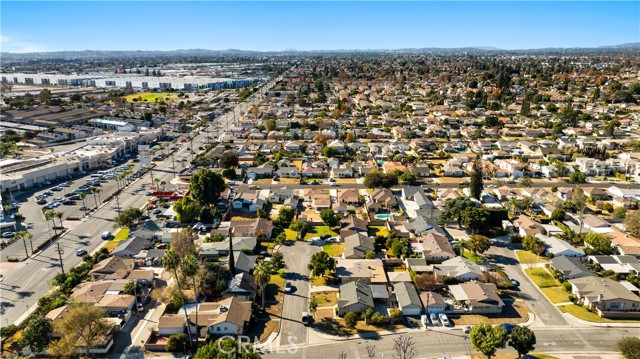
<point>63,196</point>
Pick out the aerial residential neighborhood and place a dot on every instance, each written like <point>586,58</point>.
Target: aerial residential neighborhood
<point>419,203</point>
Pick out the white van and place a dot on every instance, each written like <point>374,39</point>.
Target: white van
<point>106,235</point>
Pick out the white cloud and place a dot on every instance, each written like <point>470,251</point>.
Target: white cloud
<point>9,44</point>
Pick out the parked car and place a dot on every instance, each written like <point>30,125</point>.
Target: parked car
<point>8,234</point>
<point>288,287</point>
<point>69,203</point>
<point>444,320</point>
<point>106,235</point>
<point>425,320</point>
<point>42,201</point>
<point>514,282</point>
<point>434,319</point>
<point>84,208</point>
<point>305,318</point>
<point>81,252</point>
<point>508,327</point>
<point>466,329</point>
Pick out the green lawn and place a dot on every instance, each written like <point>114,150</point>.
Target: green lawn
<point>378,231</point>
<point>582,313</point>
<point>291,235</point>
<point>318,281</point>
<point>333,249</point>
<point>541,277</point>
<point>122,234</point>
<point>472,256</point>
<point>556,294</point>
<point>317,231</point>
<point>526,257</point>
<point>151,97</point>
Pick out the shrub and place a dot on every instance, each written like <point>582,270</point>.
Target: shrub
<point>377,318</point>
<point>8,330</point>
<point>350,320</point>
<point>175,342</point>
<point>567,286</point>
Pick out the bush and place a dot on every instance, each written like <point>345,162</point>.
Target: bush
<point>567,286</point>
<point>516,238</point>
<point>629,347</point>
<point>176,342</point>
<point>8,331</point>
<point>350,320</point>
<point>377,318</point>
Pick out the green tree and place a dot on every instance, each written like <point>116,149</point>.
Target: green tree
<point>454,208</point>
<point>475,218</point>
<point>577,177</point>
<point>226,348</point>
<point>298,226</point>
<point>44,97</point>
<point>523,340</point>
<point>478,243</point>
<point>229,159</point>
<point>487,339</point>
<point>262,275</point>
<point>408,178</point>
<point>191,269</point>
<point>558,214</point>
<point>329,152</point>
<point>285,215</point>
<point>171,263</point>
<point>128,218</point>
<point>37,335</point>
<point>213,280</point>
<point>187,209</point>
<point>632,223</point>
<point>525,182</point>
<point>476,181</point>
<point>629,347</point>
<point>321,263</point>
<point>313,305</point>
<point>532,243</point>
<point>83,327</point>
<point>206,186</point>
<point>350,320</point>
<point>377,179</point>
<point>177,342</point>
<point>277,260</point>
<point>329,218</point>
<point>270,124</point>
<point>133,288</point>
<point>599,243</point>
<point>619,213</point>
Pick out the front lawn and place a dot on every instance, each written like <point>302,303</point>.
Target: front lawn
<point>318,281</point>
<point>526,257</point>
<point>584,314</point>
<point>556,294</point>
<point>333,249</point>
<point>325,299</point>
<point>472,256</point>
<point>514,313</point>
<point>291,234</point>
<point>541,277</point>
<point>378,231</point>
<point>317,231</point>
<point>122,234</point>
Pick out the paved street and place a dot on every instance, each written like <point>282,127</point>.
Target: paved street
<point>297,258</point>
<point>501,253</point>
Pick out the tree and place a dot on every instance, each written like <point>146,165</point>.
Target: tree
<point>329,218</point>
<point>226,348</point>
<point>270,124</point>
<point>229,159</point>
<point>523,340</point>
<point>277,260</point>
<point>175,342</point>
<point>83,327</point>
<point>262,276</point>
<point>475,183</point>
<point>171,262</point>
<point>558,214</point>
<point>313,305</point>
<point>532,243</point>
<point>371,351</point>
<point>524,182</point>
<point>330,152</point>
<point>128,218</point>
<point>187,209</point>
<point>133,288</point>
<point>285,215</point>
<point>632,223</point>
<point>37,335</point>
<point>629,347</point>
<point>321,263</point>
<point>487,339</point>
<point>577,177</point>
<point>404,348</point>
<point>213,280</point>
<point>206,186</point>
<point>350,320</point>
<point>182,243</point>
<point>377,179</point>
<point>453,209</point>
<point>478,243</point>
<point>475,218</point>
<point>619,213</point>
<point>190,269</point>
<point>44,97</point>
<point>298,226</point>
<point>599,243</point>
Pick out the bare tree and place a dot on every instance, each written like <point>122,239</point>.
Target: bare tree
<point>371,351</point>
<point>404,348</point>
<point>342,355</point>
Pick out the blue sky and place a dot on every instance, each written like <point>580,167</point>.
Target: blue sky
<point>50,26</point>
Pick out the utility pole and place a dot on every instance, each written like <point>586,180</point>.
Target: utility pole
<point>26,252</point>
<point>173,163</point>
<point>60,251</point>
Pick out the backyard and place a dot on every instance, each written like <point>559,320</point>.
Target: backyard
<point>378,231</point>
<point>325,299</point>
<point>472,256</point>
<point>317,231</point>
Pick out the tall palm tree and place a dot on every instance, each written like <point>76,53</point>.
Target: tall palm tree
<point>95,191</point>
<point>50,215</point>
<point>157,182</point>
<point>163,183</point>
<point>171,262</point>
<point>84,204</point>
<point>262,276</point>
<point>190,268</point>
<point>22,235</point>
<point>59,215</point>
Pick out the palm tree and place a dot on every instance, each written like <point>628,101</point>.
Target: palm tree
<point>262,276</point>
<point>22,235</point>
<point>95,191</point>
<point>163,183</point>
<point>514,205</point>
<point>82,197</point>
<point>157,182</point>
<point>50,215</point>
<point>171,262</point>
<point>190,269</point>
<point>59,215</point>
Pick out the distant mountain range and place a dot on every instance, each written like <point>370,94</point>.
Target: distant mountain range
<point>99,54</point>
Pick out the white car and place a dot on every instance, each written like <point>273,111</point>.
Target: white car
<point>8,234</point>
<point>444,320</point>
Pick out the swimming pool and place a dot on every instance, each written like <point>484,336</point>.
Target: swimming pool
<point>384,216</point>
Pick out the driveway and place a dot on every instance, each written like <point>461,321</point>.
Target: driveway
<point>296,257</point>
<point>502,254</point>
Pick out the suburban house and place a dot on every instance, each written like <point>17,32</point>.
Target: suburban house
<point>248,200</point>
<point>461,268</point>
<point>384,196</point>
<point>569,267</point>
<point>242,286</point>
<point>369,271</point>
<point>355,297</point>
<point>357,245</point>
<point>558,247</point>
<point>607,297</point>
<point>408,298</point>
<point>131,247</point>
<point>477,297</point>
<point>262,171</point>
<point>170,324</point>
<point>227,317</point>
<point>112,268</point>
<point>433,246</point>
<point>433,302</point>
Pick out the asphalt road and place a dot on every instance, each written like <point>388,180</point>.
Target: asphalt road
<point>502,254</point>
<point>296,257</point>
<point>435,343</point>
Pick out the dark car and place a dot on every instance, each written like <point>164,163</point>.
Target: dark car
<point>42,201</point>
<point>69,203</point>
<point>508,327</point>
<point>157,211</point>
<point>303,182</point>
<point>325,236</point>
